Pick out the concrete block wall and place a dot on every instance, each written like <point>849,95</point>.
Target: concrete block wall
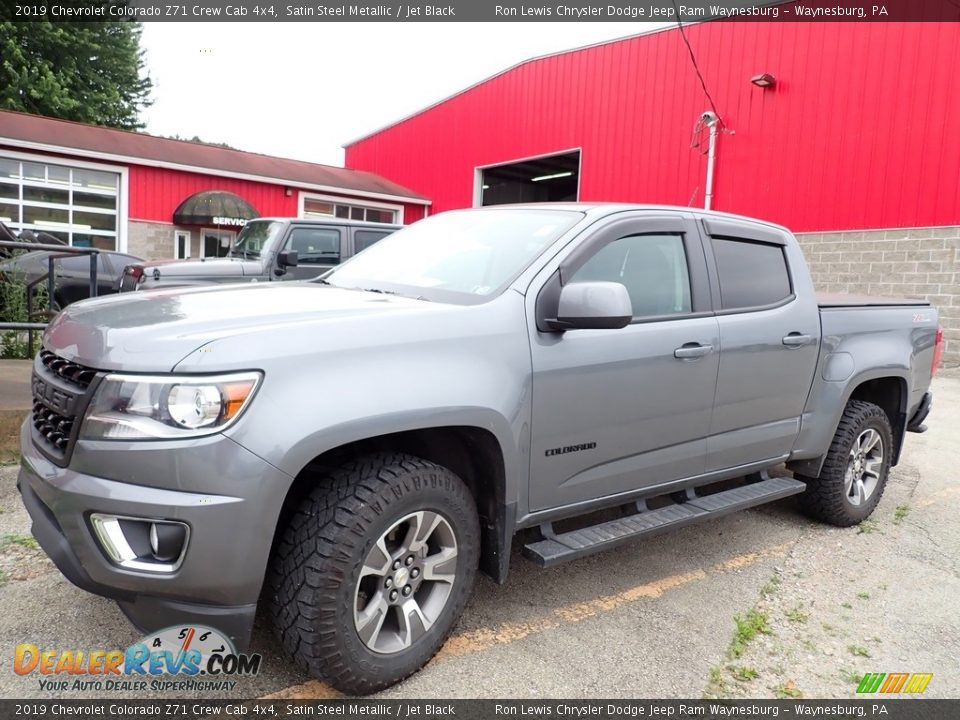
<point>150,240</point>
<point>909,262</point>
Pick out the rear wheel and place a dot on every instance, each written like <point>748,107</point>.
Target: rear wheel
<point>373,570</point>
<point>854,474</point>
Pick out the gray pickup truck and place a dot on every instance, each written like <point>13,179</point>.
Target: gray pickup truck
<point>351,450</point>
<point>266,250</point>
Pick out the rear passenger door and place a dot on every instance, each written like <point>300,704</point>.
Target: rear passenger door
<point>318,249</point>
<point>769,340</point>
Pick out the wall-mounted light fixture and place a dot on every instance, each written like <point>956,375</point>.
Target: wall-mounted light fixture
<point>288,191</point>
<point>764,80</point>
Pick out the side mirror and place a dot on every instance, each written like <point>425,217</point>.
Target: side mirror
<point>593,306</point>
<point>287,258</point>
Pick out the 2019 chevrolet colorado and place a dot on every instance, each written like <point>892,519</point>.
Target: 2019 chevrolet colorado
<point>350,450</point>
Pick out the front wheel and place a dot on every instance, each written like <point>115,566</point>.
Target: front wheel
<point>855,471</point>
<point>374,569</point>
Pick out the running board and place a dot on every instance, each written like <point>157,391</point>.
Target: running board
<point>556,548</point>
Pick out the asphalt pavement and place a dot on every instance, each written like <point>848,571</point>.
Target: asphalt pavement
<point>652,619</point>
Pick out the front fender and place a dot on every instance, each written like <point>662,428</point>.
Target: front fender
<point>346,381</point>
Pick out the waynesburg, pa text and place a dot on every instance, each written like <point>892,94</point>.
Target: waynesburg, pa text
<point>689,13</point>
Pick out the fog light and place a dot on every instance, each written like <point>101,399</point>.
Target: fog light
<point>141,543</point>
<point>166,540</point>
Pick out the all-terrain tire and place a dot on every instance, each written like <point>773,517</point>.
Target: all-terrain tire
<point>315,570</point>
<point>825,498</point>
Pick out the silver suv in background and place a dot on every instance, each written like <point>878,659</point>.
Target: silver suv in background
<point>267,249</point>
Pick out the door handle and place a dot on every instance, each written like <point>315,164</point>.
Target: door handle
<point>795,339</point>
<point>692,350</point>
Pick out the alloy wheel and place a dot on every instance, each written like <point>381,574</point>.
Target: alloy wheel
<point>405,582</point>
<point>864,467</point>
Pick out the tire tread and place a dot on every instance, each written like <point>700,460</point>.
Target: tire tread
<point>313,558</point>
<point>823,498</point>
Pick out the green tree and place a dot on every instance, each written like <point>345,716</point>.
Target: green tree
<point>90,72</point>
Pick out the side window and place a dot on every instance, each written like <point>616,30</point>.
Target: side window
<point>73,263</point>
<point>751,274</point>
<point>362,239</point>
<point>81,264</point>
<point>653,268</point>
<point>315,246</point>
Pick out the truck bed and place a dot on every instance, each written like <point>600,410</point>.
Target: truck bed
<point>843,300</point>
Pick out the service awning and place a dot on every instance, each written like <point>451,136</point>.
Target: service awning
<point>217,208</point>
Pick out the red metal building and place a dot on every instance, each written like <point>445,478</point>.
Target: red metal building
<point>857,129</point>
<point>118,190</point>
<point>860,129</point>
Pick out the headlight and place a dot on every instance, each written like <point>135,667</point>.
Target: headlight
<point>140,407</point>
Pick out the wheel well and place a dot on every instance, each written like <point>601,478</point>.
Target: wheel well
<point>889,394</point>
<point>472,453</point>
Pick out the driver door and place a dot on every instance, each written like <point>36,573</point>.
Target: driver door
<point>618,410</point>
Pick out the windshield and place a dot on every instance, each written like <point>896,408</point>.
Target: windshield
<point>463,255</point>
<point>254,238</point>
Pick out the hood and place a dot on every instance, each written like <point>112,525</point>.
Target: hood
<point>152,331</point>
<point>214,267</point>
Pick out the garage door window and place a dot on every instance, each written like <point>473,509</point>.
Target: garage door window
<point>328,208</point>
<point>77,205</point>
<point>752,274</point>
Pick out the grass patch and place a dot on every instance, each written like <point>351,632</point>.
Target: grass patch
<point>850,676</point>
<point>716,686</point>
<point>797,615</point>
<point>24,541</point>
<point>771,586</point>
<point>867,527</point>
<point>858,651</point>
<point>787,690</point>
<point>745,674</point>
<point>900,514</point>
<point>846,605</point>
<point>863,595</point>
<point>748,627</point>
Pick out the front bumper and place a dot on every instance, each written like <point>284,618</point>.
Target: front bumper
<point>232,517</point>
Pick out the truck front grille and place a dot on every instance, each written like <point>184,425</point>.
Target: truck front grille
<point>56,429</point>
<point>60,390</point>
<point>69,371</point>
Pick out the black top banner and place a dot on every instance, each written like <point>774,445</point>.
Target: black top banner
<point>686,11</point>
<point>881,709</point>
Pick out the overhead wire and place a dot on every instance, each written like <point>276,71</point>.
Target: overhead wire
<point>693,59</point>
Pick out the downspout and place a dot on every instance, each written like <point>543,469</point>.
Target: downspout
<point>711,120</point>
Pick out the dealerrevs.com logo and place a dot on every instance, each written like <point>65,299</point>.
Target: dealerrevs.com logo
<point>179,658</point>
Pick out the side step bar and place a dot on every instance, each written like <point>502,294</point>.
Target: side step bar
<point>556,548</point>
